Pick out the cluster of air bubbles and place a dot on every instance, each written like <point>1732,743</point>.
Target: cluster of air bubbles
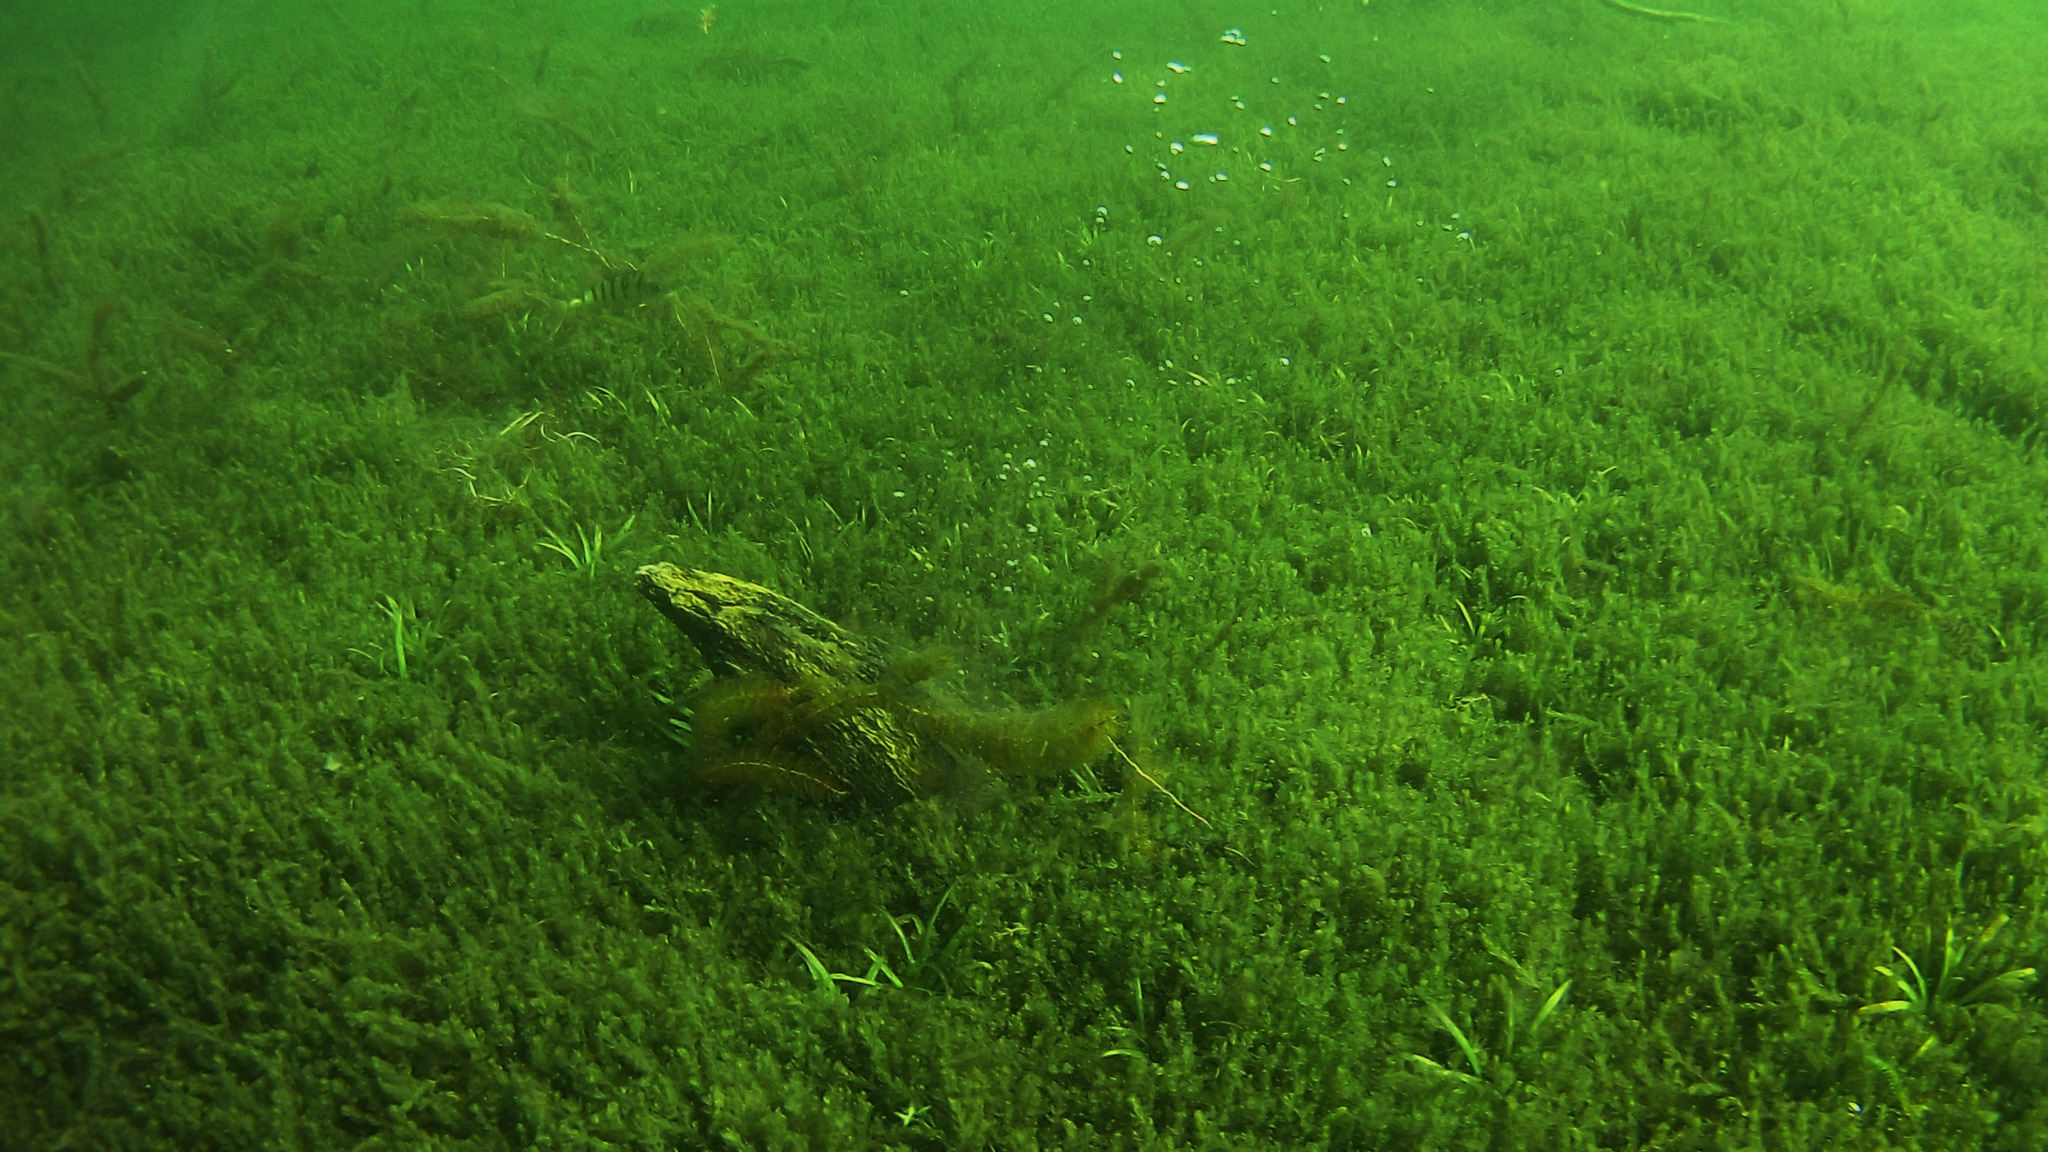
<point>1277,132</point>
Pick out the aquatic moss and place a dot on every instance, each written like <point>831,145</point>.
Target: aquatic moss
<point>1535,535</point>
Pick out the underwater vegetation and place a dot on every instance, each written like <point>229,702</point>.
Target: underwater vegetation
<point>1554,489</point>
<point>91,379</point>
<point>617,286</point>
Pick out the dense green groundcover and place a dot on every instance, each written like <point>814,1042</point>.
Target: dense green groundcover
<point>1599,492</point>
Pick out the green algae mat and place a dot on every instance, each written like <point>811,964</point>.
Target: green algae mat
<point>1426,574</point>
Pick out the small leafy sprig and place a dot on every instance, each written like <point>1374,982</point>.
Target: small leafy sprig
<point>590,545</point>
<point>1921,992</point>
